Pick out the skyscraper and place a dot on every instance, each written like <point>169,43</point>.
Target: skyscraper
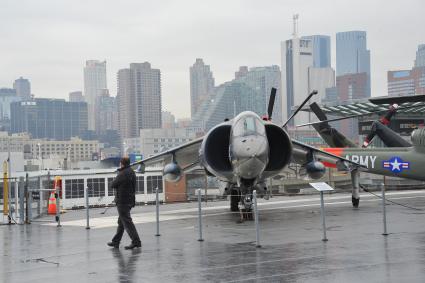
<point>420,56</point>
<point>321,50</point>
<point>7,96</point>
<point>106,113</point>
<point>139,99</point>
<point>94,83</point>
<point>201,84</point>
<point>297,58</point>
<point>352,55</point>
<point>23,88</point>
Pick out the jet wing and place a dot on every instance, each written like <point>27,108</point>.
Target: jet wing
<point>186,155</point>
<point>301,150</point>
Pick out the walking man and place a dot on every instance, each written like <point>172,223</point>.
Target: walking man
<point>125,199</point>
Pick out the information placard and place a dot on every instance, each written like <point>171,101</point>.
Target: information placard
<point>321,186</point>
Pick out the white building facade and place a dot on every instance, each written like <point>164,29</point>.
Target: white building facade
<point>154,141</point>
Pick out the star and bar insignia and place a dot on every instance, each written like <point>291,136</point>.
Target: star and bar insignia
<point>395,164</point>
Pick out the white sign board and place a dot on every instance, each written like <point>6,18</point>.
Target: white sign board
<point>321,186</point>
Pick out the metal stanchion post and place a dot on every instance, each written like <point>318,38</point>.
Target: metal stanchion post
<point>58,209</point>
<point>16,197</point>
<point>40,196</point>
<point>87,208</point>
<point>384,211</point>
<point>26,192</point>
<point>21,200</point>
<point>200,216</point>
<point>29,207</point>
<point>322,210</point>
<point>157,212</point>
<point>257,228</point>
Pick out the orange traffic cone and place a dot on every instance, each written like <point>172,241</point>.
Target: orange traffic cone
<point>51,208</point>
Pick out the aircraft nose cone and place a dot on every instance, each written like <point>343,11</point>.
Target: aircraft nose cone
<point>251,156</point>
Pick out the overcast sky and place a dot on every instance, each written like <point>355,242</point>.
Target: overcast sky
<point>48,41</point>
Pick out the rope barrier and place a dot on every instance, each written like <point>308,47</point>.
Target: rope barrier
<point>390,201</point>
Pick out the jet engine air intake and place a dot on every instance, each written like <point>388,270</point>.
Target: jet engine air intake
<point>280,148</point>
<point>215,150</point>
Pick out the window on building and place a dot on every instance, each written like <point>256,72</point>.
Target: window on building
<point>74,188</point>
<point>140,185</point>
<point>111,191</point>
<point>153,182</point>
<point>96,187</point>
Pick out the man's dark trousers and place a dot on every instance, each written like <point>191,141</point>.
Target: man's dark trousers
<point>125,223</point>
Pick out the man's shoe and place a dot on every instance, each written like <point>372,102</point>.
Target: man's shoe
<point>132,246</point>
<point>113,245</point>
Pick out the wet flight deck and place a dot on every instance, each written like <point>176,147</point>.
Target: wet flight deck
<point>290,232</point>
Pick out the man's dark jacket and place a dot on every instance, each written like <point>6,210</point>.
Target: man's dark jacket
<point>125,187</point>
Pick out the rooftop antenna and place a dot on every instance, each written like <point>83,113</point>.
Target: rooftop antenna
<point>295,21</point>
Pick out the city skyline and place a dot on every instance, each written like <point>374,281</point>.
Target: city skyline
<point>171,36</point>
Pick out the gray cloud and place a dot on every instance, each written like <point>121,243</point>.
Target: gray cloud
<point>48,41</point>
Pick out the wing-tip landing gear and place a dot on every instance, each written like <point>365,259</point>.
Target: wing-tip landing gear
<point>246,214</point>
<point>355,202</point>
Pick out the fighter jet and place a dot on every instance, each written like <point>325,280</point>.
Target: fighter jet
<point>244,152</point>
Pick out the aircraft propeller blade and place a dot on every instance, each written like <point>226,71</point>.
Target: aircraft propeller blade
<point>385,120</point>
<point>314,92</point>
<point>397,99</point>
<point>271,103</point>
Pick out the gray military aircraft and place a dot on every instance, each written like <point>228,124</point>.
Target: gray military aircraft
<point>244,152</point>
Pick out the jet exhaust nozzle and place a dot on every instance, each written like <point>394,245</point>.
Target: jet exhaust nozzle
<point>315,169</point>
<point>172,172</point>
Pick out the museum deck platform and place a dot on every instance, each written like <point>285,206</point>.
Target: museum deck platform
<point>290,232</point>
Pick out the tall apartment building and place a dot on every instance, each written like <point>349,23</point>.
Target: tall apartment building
<point>94,84</point>
<point>7,96</point>
<point>262,80</point>
<point>249,91</point>
<point>139,99</point>
<point>420,56</point>
<point>106,113</point>
<point>168,120</point>
<point>23,88</point>
<point>49,118</point>
<point>201,84</point>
